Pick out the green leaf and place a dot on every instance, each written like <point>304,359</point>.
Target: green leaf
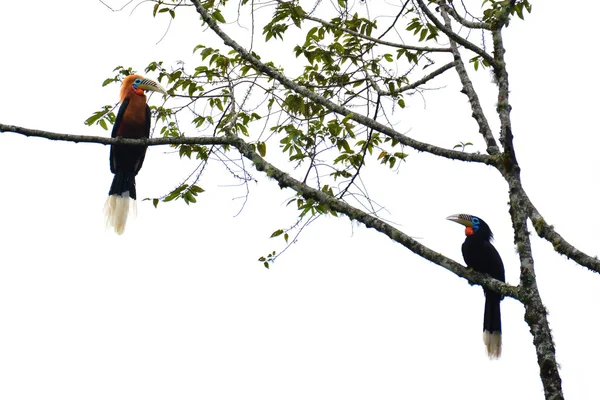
<point>277,233</point>
<point>155,203</point>
<point>103,124</point>
<point>195,189</point>
<point>92,119</point>
<point>218,16</point>
<point>262,148</point>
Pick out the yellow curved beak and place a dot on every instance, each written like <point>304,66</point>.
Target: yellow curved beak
<point>148,84</point>
<point>463,219</point>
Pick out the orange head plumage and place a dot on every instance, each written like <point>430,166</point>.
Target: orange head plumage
<point>136,84</point>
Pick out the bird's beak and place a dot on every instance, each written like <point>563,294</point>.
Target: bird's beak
<point>461,219</point>
<point>148,84</point>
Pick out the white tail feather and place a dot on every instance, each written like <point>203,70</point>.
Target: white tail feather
<point>493,344</point>
<point>116,210</point>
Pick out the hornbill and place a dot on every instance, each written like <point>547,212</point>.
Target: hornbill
<point>482,256</point>
<point>133,121</point>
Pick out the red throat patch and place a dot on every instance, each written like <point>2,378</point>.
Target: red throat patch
<point>138,91</point>
<point>468,231</point>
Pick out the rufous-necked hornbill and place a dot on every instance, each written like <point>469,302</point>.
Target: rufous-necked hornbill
<point>133,121</point>
<point>482,256</point>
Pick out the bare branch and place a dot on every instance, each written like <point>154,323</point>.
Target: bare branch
<point>503,107</point>
<point>546,231</point>
<point>398,15</point>
<point>116,10</point>
<point>466,23</point>
<point>415,84</point>
<point>535,312</point>
<point>469,91</point>
<point>202,140</point>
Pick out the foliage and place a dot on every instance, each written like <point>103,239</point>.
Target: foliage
<point>342,60</point>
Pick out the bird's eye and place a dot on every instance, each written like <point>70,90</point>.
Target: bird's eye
<point>137,81</point>
<point>475,221</point>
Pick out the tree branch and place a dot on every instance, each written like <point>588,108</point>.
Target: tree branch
<point>339,206</point>
<point>469,91</point>
<point>454,36</point>
<point>536,315</point>
<point>378,41</point>
<point>304,190</point>
<point>466,23</point>
<point>364,120</point>
<point>546,231</point>
<point>503,106</point>
<point>202,140</point>
<point>560,244</point>
<point>415,84</point>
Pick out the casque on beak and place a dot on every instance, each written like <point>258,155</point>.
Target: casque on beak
<point>148,84</point>
<point>463,219</point>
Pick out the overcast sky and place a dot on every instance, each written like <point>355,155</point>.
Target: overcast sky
<point>178,307</point>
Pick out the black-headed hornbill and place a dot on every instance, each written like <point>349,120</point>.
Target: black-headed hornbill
<point>133,121</point>
<point>482,256</point>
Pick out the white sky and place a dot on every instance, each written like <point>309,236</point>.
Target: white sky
<point>178,307</point>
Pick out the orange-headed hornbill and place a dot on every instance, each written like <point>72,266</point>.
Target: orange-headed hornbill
<point>133,121</point>
<point>482,256</point>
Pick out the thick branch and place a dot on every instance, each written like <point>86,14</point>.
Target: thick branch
<point>546,231</point>
<point>454,36</point>
<point>370,221</point>
<point>304,190</point>
<point>203,140</point>
<point>535,312</point>
<point>364,120</point>
<point>503,106</point>
<point>469,91</point>
<point>561,245</point>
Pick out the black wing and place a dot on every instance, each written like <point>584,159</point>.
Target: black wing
<point>496,266</point>
<point>138,165</point>
<point>483,257</point>
<point>148,116</point>
<point>115,129</point>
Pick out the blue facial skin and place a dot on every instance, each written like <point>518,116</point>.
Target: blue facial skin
<point>137,82</point>
<point>475,222</point>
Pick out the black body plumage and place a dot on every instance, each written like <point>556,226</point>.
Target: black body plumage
<point>479,254</point>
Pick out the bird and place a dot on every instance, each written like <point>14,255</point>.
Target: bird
<point>133,121</point>
<point>480,255</point>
